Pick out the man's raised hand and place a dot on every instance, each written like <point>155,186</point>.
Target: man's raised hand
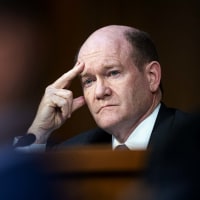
<point>56,105</point>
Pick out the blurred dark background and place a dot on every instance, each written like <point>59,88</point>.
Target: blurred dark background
<point>42,39</point>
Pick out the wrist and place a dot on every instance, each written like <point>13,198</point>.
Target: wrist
<point>40,134</point>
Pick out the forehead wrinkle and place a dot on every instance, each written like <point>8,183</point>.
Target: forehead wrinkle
<point>88,55</point>
<point>101,59</point>
<point>102,53</point>
<point>105,67</point>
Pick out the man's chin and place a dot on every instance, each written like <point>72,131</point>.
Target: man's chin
<point>107,124</point>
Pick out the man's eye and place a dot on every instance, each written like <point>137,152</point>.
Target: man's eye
<point>87,82</point>
<point>113,73</point>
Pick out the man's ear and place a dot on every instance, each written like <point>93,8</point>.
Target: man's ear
<point>153,72</point>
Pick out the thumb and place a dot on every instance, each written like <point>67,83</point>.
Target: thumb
<point>78,103</point>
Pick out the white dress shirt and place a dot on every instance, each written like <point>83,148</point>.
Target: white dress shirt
<point>139,138</point>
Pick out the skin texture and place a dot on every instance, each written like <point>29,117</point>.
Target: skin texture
<point>118,94</point>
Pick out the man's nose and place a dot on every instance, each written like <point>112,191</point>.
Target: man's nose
<point>102,89</point>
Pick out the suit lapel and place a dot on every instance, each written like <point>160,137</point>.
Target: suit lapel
<point>163,125</point>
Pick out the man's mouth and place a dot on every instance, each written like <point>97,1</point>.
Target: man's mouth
<point>104,107</point>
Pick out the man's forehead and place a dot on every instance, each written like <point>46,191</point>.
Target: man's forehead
<point>100,65</point>
<point>102,54</point>
<point>109,48</point>
<point>103,39</point>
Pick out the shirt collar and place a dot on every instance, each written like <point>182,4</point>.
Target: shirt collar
<point>139,138</point>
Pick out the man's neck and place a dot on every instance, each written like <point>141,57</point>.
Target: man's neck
<point>122,131</point>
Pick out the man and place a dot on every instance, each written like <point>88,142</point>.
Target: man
<point>120,76</point>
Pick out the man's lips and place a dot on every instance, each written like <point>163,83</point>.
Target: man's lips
<point>106,106</point>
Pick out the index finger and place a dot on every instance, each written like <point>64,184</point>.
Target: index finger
<point>65,79</point>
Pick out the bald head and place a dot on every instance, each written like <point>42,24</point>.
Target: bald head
<point>105,37</point>
<point>134,42</point>
<point>113,32</point>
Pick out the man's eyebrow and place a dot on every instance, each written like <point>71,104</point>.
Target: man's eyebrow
<point>105,68</point>
<point>82,75</point>
<point>110,67</point>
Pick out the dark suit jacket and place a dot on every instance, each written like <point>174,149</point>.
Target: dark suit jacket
<point>166,122</point>
<point>173,170</point>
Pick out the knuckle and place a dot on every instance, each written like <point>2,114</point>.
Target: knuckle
<point>49,89</point>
